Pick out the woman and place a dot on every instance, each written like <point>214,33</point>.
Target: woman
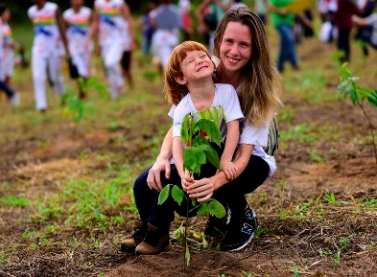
<point>242,46</point>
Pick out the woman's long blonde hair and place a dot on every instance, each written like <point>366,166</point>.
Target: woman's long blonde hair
<point>258,96</point>
<point>175,91</point>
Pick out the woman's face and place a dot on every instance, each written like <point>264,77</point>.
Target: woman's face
<point>235,47</point>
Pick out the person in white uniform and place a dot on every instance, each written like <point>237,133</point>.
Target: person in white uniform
<point>166,21</point>
<point>78,21</point>
<point>108,20</point>
<point>49,39</point>
<point>12,95</point>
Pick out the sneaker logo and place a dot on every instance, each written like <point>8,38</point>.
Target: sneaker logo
<point>247,229</point>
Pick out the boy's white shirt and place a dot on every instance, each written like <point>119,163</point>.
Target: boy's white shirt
<point>372,20</point>
<point>251,135</point>
<point>225,96</point>
<point>1,39</point>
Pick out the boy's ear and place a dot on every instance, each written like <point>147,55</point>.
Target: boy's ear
<point>181,80</point>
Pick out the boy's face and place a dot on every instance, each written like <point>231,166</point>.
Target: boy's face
<point>196,65</point>
<point>5,16</point>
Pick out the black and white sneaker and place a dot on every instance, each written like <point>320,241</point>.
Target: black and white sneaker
<point>240,235</point>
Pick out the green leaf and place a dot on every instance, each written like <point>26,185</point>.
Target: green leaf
<point>177,194</point>
<point>187,256</point>
<point>372,98</point>
<point>211,154</point>
<point>216,208</point>
<point>186,126</point>
<point>164,194</point>
<point>193,158</point>
<point>203,209</point>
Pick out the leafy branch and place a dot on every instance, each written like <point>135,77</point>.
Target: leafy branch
<point>198,131</point>
<point>349,86</point>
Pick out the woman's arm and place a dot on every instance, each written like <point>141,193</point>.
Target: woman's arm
<point>203,188</point>
<point>162,162</point>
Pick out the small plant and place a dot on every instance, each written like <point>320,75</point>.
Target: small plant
<point>75,106</point>
<point>349,86</point>
<point>198,131</point>
<point>330,198</point>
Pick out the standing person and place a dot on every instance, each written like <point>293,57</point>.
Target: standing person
<point>241,44</point>
<point>209,13</point>
<point>108,21</point>
<point>260,7</point>
<point>167,22</point>
<point>7,45</point>
<point>147,29</point>
<point>366,8</point>
<point>49,34</point>
<point>343,21</point>
<point>126,60</point>
<point>184,7</point>
<point>78,20</point>
<point>370,23</point>
<point>283,21</point>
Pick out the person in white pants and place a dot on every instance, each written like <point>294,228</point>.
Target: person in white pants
<point>108,20</point>
<point>78,20</point>
<point>167,21</point>
<point>49,39</point>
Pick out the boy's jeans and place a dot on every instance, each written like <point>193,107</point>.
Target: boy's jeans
<point>287,46</point>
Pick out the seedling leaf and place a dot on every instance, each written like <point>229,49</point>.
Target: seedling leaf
<point>163,195</point>
<point>177,194</point>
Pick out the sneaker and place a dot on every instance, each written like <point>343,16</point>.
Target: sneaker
<point>154,242</point>
<point>240,235</point>
<point>129,244</point>
<point>216,227</point>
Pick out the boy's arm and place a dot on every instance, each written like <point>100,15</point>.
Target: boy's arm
<point>232,138</point>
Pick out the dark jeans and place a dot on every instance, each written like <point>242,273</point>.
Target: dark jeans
<point>287,46</point>
<point>343,43</point>
<point>231,194</point>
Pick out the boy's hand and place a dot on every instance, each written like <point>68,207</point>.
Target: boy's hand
<point>229,169</point>
<point>187,180</point>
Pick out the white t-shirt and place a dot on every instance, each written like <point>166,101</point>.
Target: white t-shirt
<point>110,20</point>
<point>260,6</point>
<point>225,96</point>
<point>372,20</point>
<point>79,25</point>
<point>251,135</point>
<point>46,33</point>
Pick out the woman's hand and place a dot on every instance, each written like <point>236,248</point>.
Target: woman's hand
<point>201,189</point>
<point>154,175</point>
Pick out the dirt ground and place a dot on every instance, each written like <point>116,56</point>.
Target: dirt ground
<point>300,244</point>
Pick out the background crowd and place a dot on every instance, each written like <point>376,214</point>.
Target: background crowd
<point>114,31</point>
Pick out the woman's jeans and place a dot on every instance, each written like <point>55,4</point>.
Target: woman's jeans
<point>287,46</point>
<point>231,194</point>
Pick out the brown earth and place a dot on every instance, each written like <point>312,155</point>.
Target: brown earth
<point>292,241</point>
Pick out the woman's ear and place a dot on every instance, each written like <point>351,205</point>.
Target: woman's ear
<point>181,80</point>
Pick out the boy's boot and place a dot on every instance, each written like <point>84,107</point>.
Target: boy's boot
<point>129,244</point>
<point>154,242</point>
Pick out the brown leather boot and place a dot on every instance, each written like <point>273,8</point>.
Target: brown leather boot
<point>154,242</point>
<point>130,243</point>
